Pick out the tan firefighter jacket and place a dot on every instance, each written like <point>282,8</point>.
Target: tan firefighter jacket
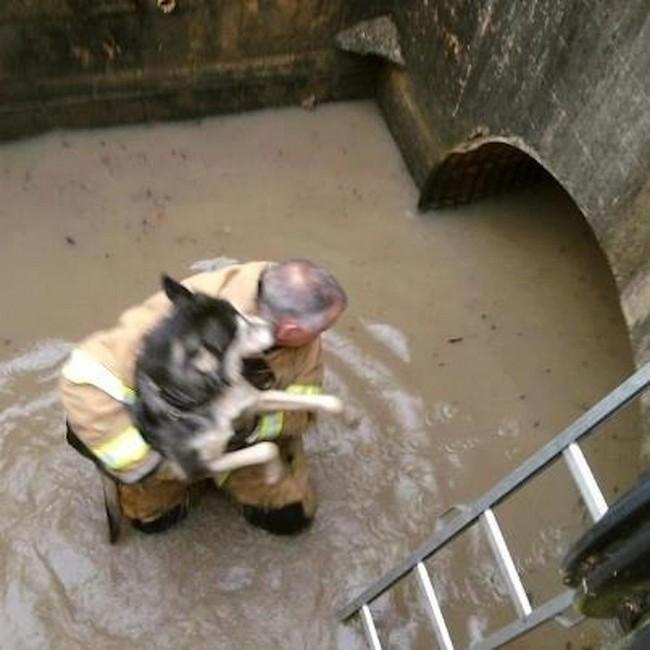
<point>97,380</point>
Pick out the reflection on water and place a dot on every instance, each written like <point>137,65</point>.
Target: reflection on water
<point>473,336</point>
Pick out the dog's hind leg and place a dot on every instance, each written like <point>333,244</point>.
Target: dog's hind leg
<point>112,507</point>
<point>258,454</point>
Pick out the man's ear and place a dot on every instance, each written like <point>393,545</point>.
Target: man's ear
<point>286,328</point>
<point>180,295</point>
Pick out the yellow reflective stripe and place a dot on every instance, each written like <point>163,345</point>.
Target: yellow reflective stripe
<point>123,450</point>
<point>270,425</point>
<point>128,395</point>
<point>222,477</point>
<point>83,368</point>
<point>304,389</point>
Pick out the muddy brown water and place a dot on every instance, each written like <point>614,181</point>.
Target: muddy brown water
<point>474,335</point>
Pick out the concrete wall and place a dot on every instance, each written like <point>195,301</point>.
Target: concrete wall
<point>565,81</point>
<point>92,62</point>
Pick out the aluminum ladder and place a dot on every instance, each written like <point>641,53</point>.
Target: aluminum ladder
<point>528,618</point>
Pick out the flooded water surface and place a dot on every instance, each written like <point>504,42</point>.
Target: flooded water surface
<point>473,336</point>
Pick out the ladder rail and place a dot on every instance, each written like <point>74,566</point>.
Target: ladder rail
<point>584,425</point>
<point>540,615</point>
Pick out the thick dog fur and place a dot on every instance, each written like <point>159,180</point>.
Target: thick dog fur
<point>186,363</point>
<point>195,378</point>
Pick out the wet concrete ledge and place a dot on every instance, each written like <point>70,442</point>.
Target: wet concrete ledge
<point>72,63</point>
<point>184,92</point>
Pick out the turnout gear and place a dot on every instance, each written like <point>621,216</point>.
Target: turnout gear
<point>97,386</point>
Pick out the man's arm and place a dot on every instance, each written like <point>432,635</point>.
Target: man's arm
<point>103,429</point>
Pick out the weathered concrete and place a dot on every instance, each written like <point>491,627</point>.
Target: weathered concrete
<point>566,82</point>
<point>79,63</point>
<point>377,37</point>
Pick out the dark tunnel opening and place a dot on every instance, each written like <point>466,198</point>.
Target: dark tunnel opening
<point>487,170</point>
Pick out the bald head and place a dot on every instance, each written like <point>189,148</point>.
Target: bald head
<point>301,298</point>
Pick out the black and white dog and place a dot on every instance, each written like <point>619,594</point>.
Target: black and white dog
<point>197,376</point>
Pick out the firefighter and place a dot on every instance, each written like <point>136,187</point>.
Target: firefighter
<point>303,300</point>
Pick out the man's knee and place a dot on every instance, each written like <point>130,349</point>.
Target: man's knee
<point>286,520</point>
<point>155,505</point>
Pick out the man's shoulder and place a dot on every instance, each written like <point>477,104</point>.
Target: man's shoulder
<point>237,283</point>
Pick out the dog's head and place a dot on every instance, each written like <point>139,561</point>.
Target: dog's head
<point>199,348</point>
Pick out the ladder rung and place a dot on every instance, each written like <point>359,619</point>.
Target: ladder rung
<point>437,619</point>
<point>506,563</point>
<point>369,627</point>
<point>585,480</point>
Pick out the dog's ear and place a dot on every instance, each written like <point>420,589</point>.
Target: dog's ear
<point>180,295</point>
